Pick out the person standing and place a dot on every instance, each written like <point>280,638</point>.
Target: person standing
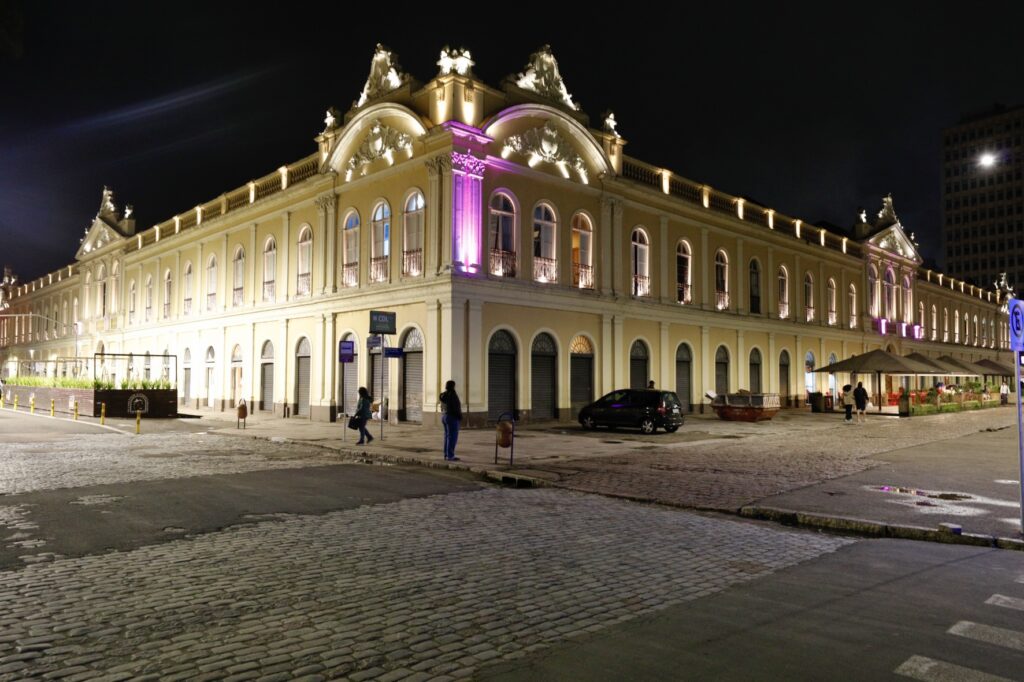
<point>848,403</point>
<point>1004,393</point>
<point>451,417</point>
<point>363,414</point>
<point>860,399</point>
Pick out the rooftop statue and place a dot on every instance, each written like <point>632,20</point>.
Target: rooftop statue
<point>456,60</point>
<point>385,75</point>
<point>542,77</point>
<point>107,202</point>
<point>330,119</point>
<point>887,216</point>
<point>610,123</point>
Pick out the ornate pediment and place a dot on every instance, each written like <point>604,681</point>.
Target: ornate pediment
<point>385,76</point>
<point>894,240</point>
<point>107,227</point>
<point>382,142</point>
<point>546,144</point>
<point>542,77</point>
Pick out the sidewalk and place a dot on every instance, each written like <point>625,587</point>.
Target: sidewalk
<point>798,462</point>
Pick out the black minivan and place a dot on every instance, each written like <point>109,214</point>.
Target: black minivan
<point>648,409</point>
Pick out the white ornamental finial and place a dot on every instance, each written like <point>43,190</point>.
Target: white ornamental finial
<point>330,119</point>
<point>385,75</point>
<point>863,215</point>
<point>456,60</point>
<point>542,77</point>
<point>610,123</point>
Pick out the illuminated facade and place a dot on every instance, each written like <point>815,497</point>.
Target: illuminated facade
<point>525,255</point>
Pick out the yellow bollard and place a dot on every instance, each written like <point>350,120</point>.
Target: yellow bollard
<point>15,403</point>
<point>76,410</point>
<point>51,407</point>
<point>103,414</point>
<point>138,421</point>
<point>1,401</point>
<point>32,405</point>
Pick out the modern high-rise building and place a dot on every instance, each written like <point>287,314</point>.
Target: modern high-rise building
<point>983,197</point>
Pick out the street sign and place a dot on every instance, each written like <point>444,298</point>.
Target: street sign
<point>382,322</point>
<point>373,341</point>
<point>1016,310</point>
<point>393,352</point>
<point>346,351</point>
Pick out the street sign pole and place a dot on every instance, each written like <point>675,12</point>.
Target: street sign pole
<point>1015,309</point>
<point>384,390</point>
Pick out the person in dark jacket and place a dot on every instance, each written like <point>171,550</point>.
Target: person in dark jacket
<point>860,397</point>
<point>451,416</point>
<point>363,414</point>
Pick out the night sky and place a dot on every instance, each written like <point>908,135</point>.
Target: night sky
<point>813,111</point>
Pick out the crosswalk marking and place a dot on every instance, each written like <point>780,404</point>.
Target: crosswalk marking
<point>1011,639</point>
<point>1006,602</point>
<point>929,670</point>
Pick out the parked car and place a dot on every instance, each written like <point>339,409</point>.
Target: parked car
<point>644,408</point>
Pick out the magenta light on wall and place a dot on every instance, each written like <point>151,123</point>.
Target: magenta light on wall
<point>883,326</point>
<point>467,204</point>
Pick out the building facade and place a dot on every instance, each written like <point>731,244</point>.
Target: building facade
<point>526,257</point>
<point>983,197</point>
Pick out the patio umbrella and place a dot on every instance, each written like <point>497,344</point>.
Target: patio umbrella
<point>965,368</point>
<point>924,359</point>
<point>880,362</point>
<point>994,368</point>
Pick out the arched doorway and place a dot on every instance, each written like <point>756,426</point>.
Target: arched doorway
<point>581,373</point>
<point>809,379</point>
<point>784,389</point>
<point>211,359</point>
<point>379,374</point>
<point>411,408</point>
<point>236,375</point>
<point>755,371</point>
<point>638,363</point>
<point>302,377</point>
<point>501,374</point>
<point>349,388</point>
<point>543,374</point>
<point>267,376</point>
<point>722,371</point>
<point>684,373</point>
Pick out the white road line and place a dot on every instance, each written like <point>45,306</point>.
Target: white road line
<point>1006,602</point>
<point>1011,639</point>
<point>930,670</point>
<point>1020,578</point>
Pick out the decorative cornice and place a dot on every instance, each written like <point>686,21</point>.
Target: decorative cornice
<point>438,164</point>
<point>326,202</point>
<point>467,163</point>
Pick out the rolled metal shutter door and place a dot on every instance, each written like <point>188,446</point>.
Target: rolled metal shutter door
<point>267,386</point>
<point>721,378</point>
<point>683,383</point>
<point>186,381</point>
<point>350,387</point>
<point>412,366</point>
<point>302,386</point>
<point>542,386</point>
<point>501,384</point>
<point>638,373</point>
<point>378,377</point>
<point>581,381</point>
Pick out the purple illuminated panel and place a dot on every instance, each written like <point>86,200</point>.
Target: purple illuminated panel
<point>467,205</point>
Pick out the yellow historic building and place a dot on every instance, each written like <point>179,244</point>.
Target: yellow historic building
<point>525,255</point>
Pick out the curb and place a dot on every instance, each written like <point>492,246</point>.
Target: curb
<point>879,529</point>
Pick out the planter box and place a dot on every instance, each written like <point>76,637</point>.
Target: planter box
<point>124,402</point>
<point>120,403</point>
<point>63,398</point>
<point>949,407</point>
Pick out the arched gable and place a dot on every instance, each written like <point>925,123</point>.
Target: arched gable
<point>381,134</point>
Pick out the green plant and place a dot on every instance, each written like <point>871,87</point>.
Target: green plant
<point>949,407</point>
<point>971,405</point>
<point>923,409</point>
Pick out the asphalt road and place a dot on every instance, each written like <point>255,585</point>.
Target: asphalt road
<point>21,427</point>
<point>933,612</point>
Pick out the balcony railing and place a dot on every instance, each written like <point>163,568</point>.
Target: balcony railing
<point>832,317</point>
<point>721,300</point>
<point>350,274</point>
<point>582,276</point>
<point>379,269</point>
<point>269,290</point>
<point>545,269</point>
<point>412,262</point>
<point>211,301</point>
<point>503,263</point>
<point>236,296</point>
<point>641,285</point>
<point>809,313</point>
<point>186,307</point>
<point>783,310</point>
<point>167,310</point>
<point>683,293</point>
<point>302,284</point>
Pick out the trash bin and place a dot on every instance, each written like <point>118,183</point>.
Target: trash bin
<point>904,404</point>
<point>817,401</point>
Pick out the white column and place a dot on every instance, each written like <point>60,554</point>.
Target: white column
<point>740,297</point>
<point>330,265</point>
<point>604,235</point>
<point>619,353</point>
<point>707,359</point>
<point>432,344</point>
<point>283,265</point>
<point>706,260</point>
<point>607,376</point>
<point>254,258</point>
<point>619,273</point>
<point>665,381</point>
<point>773,366</point>
<point>663,275</point>
<point>224,275</point>
<point>742,380</point>
<point>434,208</point>
<point>282,356</point>
<point>476,383</point>
<point>770,293</point>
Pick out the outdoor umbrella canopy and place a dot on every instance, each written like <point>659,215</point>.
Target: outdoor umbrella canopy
<point>931,362</point>
<point>995,368</point>
<point>965,368</point>
<point>880,362</point>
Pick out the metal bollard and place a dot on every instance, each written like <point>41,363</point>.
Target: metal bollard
<point>103,414</point>
<point>51,407</point>
<point>1,401</point>
<point>76,410</point>
<point>138,422</point>
<point>32,405</point>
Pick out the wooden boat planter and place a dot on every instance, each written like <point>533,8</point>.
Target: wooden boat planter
<point>745,407</point>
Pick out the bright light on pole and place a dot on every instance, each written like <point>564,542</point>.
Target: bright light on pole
<point>987,160</point>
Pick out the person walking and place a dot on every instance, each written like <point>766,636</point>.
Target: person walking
<point>860,399</point>
<point>848,403</point>
<point>363,414</point>
<point>451,417</point>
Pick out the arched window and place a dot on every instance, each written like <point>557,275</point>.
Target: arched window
<point>945,324</point>
<point>131,302</point>
<point>168,291</point>
<point>683,259</point>
<point>831,291</point>
<point>920,315</point>
<point>935,323</point>
<point>975,334</point>
<point>908,301</point>
<point>956,326</point>
<point>890,295</point>
<point>809,378</point>
<point>501,238</point>
<point>149,298</point>
<point>304,263</point>
<point>721,280</point>
<point>350,247</point>
<point>639,254</point>
<point>101,292</point>
<point>582,252</point>
<point>755,371</point>
<point>113,287</point>
<point>722,371</point>
<point>238,276</point>
<point>808,297</point>
<point>545,262</point>
<point>755,287</point>
<point>380,247</point>
<point>784,376</point>
<point>984,333</point>
<point>783,283</point>
<point>211,283</point>
<point>269,269</point>
<point>412,248</point>
<point>873,294</point>
<point>639,365</point>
